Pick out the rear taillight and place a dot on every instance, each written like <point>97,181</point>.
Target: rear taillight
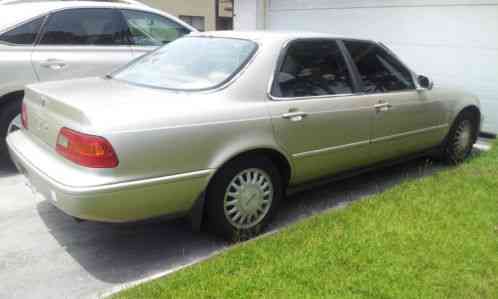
<point>24,116</point>
<point>86,150</point>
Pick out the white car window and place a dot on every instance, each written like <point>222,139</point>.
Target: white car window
<point>147,29</point>
<point>190,63</point>
<point>24,34</point>
<point>85,26</point>
<point>379,70</point>
<point>313,68</point>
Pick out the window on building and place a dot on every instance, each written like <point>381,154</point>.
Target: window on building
<point>86,26</point>
<point>197,22</point>
<point>24,34</point>
<point>313,68</point>
<point>379,70</point>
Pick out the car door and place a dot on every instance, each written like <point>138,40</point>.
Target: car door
<point>16,47</point>
<point>317,116</point>
<point>81,42</point>
<point>149,30</point>
<point>406,120</point>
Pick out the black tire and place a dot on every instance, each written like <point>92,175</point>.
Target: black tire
<point>461,138</point>
<point>8,112</point>
<point>215,205</point>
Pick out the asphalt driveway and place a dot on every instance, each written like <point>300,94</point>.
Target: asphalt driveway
<point>46,254</point>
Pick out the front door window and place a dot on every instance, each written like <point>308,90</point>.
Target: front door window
<point>379,70</point>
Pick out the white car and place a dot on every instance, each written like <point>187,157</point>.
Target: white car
<point>57,40</point>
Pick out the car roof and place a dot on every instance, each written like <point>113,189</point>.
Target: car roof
<point>273,35</point>
<point>15,13</point>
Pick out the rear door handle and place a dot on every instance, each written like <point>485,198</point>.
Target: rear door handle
<point>382,107</point>
<point>294,116</point>
<point>53,64</point>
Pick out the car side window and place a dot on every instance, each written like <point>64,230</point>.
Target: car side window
<point>85,27</point>
<point>148,29</point>
<point>379,70</point>
<point>312,68</point>
<point>24,34</point>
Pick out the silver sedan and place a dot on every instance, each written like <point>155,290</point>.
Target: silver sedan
<point>218,125</point>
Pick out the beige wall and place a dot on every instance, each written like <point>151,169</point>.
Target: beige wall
<point>205,8</point>
<point>226,8</point>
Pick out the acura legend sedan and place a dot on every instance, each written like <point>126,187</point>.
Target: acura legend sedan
<point>218,125</point>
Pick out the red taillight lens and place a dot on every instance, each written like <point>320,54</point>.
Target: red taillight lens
<point>24,115</point>
<point>86,150</point>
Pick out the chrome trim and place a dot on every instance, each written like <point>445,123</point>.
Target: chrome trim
<point>414,132</point>
<point>360,143</point>
<point>94,190</point>
<point>294,114</point>
<point>330,149</point>
<point>314,97</point>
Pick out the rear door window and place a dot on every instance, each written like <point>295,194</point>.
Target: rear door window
<point>313,68</point>
<point>148,29</point>
<point>379,70</point>
<point>85,27</point>
<point>24,34</point>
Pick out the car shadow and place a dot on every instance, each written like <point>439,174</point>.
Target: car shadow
<point>123,253</point>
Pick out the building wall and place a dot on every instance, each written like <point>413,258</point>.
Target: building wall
<point>204,8</point>
<point>454,42</point>
<point>249,14</point>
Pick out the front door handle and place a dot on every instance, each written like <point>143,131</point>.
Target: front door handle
<point>54,64</point>
<point>294,116</point>
<point>382,107</point>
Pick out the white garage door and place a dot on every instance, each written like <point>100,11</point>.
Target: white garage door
<point>453,42</point>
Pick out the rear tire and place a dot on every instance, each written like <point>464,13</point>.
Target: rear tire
<point>461,138</point>
<point>243,197</point>
<point>9,111</point>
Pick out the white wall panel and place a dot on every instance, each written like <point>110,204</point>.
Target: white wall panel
<point>451,41</point>
<point>320,4</point>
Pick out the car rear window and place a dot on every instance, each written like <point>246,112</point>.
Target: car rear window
<point>190,63</point>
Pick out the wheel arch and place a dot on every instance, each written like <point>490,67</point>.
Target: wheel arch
<point>474,110</point>
<point>281,161</point>
<point>12,96</point>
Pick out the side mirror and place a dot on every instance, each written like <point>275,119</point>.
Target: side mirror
<point>425,82</point>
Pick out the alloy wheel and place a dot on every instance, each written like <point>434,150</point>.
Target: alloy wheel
<point>462,141</point>
<point>248,198</point>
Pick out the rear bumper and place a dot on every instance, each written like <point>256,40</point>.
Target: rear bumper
<point>125,201</point>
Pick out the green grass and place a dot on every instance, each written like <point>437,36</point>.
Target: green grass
<point>435,237</point>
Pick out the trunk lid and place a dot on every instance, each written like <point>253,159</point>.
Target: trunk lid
<point>99,106</point>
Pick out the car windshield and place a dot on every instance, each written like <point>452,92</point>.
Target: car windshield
<point>190,63</point>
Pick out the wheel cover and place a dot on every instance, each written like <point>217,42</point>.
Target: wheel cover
<point>14,125</point>
<point>463,139</point>
<point>248,198</point>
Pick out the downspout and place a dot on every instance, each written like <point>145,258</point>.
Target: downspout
<point>262,11</point>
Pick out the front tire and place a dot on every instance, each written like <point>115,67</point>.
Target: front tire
<point>243,198</point>
<point>461,138</point>
<point>9,118</point>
